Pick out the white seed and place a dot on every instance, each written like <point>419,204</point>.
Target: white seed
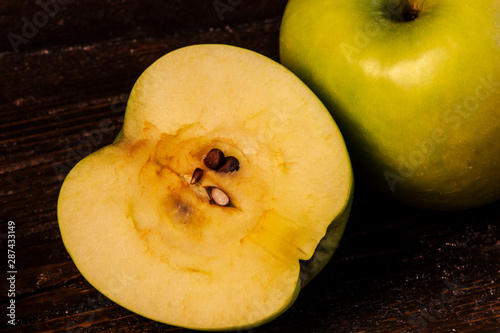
<point>219,197</point>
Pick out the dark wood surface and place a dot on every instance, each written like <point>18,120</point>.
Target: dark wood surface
<point>62,92</point>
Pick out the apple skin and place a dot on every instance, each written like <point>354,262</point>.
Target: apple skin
<point>417,101</point>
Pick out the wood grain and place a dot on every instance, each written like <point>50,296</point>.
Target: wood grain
<point>62,96</point>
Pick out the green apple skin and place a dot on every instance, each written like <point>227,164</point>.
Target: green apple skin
<point>417,100</point>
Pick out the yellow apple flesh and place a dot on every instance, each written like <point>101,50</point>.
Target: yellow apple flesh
<point>154,241</point>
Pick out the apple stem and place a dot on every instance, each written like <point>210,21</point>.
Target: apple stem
<point>410,11</point>
<point>402,10</point>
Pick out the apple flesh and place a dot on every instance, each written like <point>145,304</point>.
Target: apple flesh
<point>158,236</point>
<point>414,87</point>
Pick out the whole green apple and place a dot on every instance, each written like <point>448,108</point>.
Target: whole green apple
<point>415,88</point>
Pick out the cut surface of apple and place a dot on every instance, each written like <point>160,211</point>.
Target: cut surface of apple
<point>159,238</point>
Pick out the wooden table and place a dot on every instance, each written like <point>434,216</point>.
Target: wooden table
<point>67,68</point>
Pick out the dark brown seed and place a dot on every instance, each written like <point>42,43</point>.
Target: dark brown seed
<point>197,174</point>
<point>231,164</point>
<point>214,159</point>
<point>218,196</point>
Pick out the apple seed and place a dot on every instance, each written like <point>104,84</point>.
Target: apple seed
<point>214,159</point>
<point>218,196</point>
<point>231,164</point>
<point>197,174</point>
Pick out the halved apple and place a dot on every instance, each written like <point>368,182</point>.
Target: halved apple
<point>155,224</point>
